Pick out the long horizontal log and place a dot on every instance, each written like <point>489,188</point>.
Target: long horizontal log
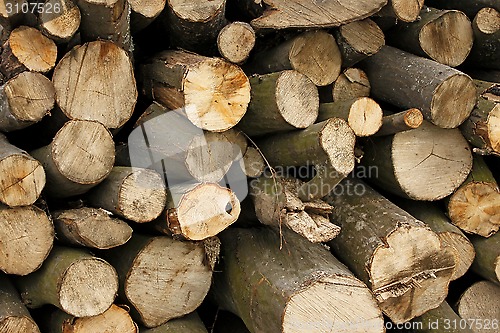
<point>469,7</point>
<point>400,121</point>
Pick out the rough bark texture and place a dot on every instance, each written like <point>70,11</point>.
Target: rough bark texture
<point>478,306</point>
<point>188,324</point>
<point>235,42</point>
<point>90,227</point>
<point>73,280</point>
<point>144,12</point>
<point>161,278</point>
<point>445,96</point>
<point>22,177</point>
<point>60,20</point>
<point>430,36</point>
<point>300,288</point>
<point>427,163</point>
<point>80,156</point>
<point>214,92</point>
<point>403,10</point>
<point>88,95</point>
<point>280,101</point>
<point>486,49</point>
<point>402,260</point>
<point>400,121</point>
<point>487,260</point>
<point>352,83</point>
<point>440,320</point>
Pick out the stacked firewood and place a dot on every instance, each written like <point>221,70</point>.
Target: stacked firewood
<point>249,166</point>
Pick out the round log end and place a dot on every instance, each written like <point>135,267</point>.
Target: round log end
<point>88,287</point>
<point>18,324</point>
<point>493,128</point>
<point>364,36</point>
<point>462,250</point>
<point>477,303</point>
<point>196,11</point>
<point>83,151</point>
<point>60,24</point>
<point>497,268</point>
<point>413,118</point>
<point>365,117</point>
<point>27,236</point>
<point>487,20</point>
<point>448,39</point>
<point>149,9</point>
<point>316,55</point>
<point>216,94</point>
<point>333,304</point>
<point>337,139</point>
<point>475,208</point>
<point>352,83</point>
<point>253,163</point>
<point>407,10</point>
<point>113,320</point>
<point>35,51</point>
<point>235,41</point>
<point>297,99</point>
<point>453,101</point>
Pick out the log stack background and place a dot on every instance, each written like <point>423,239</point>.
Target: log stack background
<point>249,166</point>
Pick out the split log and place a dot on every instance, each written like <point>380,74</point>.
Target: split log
<point>477,307</point>
<point>80,156</point>
<point>106,20</point>
<point>400,121</point>
<point>352,83</point>
<point>27,49</point>
<point>235,42</point>
<point>430,36</point>
<point>363,114</point>
<point>14,317</point>
<point>402,260</point>
<point>113,320</point>
<point>90,227</point>
<point>22,177</point>
<point>487,260</point>
<point>426,163</point>
<point>27,236</point>
<point>451,237</point>
<point>439,320</point>
<point>59,20</point>
<point>482,128</point>
<point>188,324</point>
<point>313,53</point>
<point>445,96</point>
<point>214,92</point>
<point>144,12</point>
<point>161,278</point>
<point>280,101</point>
<point>300,288</point>
<point>73,280</point>
<point>475,206</point>
<point>26,99</point>
<point>330,148</point>
<point>277,203</point>
<point>252,163</point>
<point>284,14</point>
<point>486,49</point>
<point>89,95</point>
<point>358,40</point>
<point>402,10</point>
<point>135,194</point>
<point>198,211</point>
<point>469,7</point>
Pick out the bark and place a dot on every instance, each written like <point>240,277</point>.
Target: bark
<point>90,227</point>
<point>352,83</point>
<point>59,20</point>
<point>445,96</point>
<point>477,307</point>
<point>440,320</point>
<point>134,194</point>
<point>314,54</point>
<point>487,260</point>
<point>144,12</point>
<point>235,42</point>
<point>161,278</point>
<point>328,146</point>
<point>475,206</point>
<point>188,324</point>
<point>279,102</point>
<point>402,10</point>
<point>73,280</point>
<point>14,317</point>
<point>214,92</point>
<point>300,288</point>
<point>25,100</point>
<point>430,36</point>
<point>486,49</point>
<point>277,204</point>
<point>89,94</point>
<point>490,75</point>
<point>469,7</point>
<point>106,20</point>
<point>451,237</point>
<point>22,177</point>
<point>27,49</point>
<point>363,114</point>
<point>358,40</point>
<point>427,163</point>
<point>402,260</point>
<point>400,121</point>
<point>80,156</point>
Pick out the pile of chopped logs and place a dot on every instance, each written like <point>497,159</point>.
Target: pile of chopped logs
<point>259,166</point>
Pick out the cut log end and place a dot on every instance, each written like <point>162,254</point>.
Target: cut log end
<point>478,303</point>
<point>363,36</point>
<point>493,128</point>
<point>352,83</point>
<point>253,163</point>
<point>196,11</point>
<point>18,324</point>
<point>88,287</point>
<point>475,208</point>
<point>316,55</point>
<point>407,11</point>
<point>449,109</point>
<point>216,94</point>
<point>60,25</point>
<point>435,38</point>
<point>337,139</point>
<point>149,9</point>
<point>413,118</point>
<point>462,250</point>
<point>365,117</point>
<point>487,20</point>
<point>297,98</point>
<point>235,41</point>
<point>315,308</point>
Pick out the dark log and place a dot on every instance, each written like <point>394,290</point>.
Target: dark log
<point>487,260</point>
<point>486,49</point>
